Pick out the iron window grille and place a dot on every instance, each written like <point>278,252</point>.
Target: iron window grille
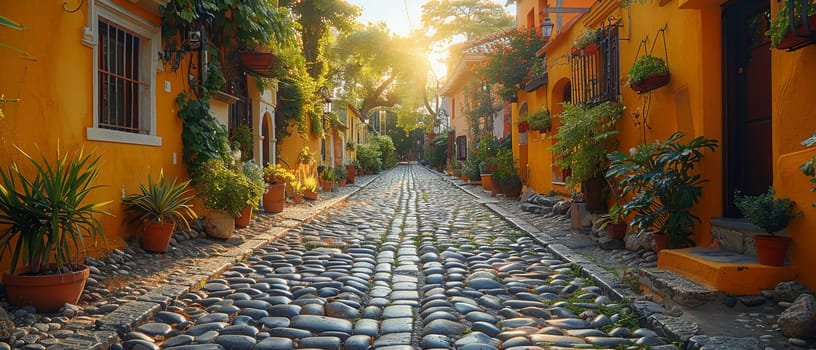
<point>596,77</point>
<point>121,87</point>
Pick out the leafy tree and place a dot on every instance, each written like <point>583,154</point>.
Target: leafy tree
<point>447,19</point>
<point>373,68</point>
<point>317,18</point>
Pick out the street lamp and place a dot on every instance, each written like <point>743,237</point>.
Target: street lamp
<point>547,27</point>
<point>327,99</point>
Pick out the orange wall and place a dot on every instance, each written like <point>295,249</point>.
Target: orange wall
<point>56,106</point>
<point>794,119</point>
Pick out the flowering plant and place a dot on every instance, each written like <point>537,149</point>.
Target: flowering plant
<point>509,61</point>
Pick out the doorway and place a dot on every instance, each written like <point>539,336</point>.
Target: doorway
<point>747,141</point>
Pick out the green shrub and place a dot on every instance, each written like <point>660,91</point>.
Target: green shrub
<point>388,155</point>
<point>369,157</point>
<point>768,213</point>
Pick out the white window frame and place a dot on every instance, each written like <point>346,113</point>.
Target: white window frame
<point>150,38</point>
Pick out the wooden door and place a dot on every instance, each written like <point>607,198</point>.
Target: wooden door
<point>747,140</point>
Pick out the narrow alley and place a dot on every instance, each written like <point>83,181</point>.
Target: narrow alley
<point>408,262</point>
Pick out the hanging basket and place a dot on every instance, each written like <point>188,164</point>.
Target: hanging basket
<point>650,83</point>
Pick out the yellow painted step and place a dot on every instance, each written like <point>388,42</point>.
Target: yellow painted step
<point>724,271</point>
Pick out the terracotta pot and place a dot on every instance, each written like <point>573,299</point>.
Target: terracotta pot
<point>156,235</point>
<point>616,231</point>
<point>650,83</point>
<point>243,219</point>
<point>47,293</point>
<point>661,241</point>
<point>297,198</point>
<point>274,198</point>
<point>352,171</point>
<point>219,224</point>
<point>594,194</point>
<point>486,181</point>
<point>312,195</point>
<point>495,187</point>
<point>771,250</point>
<point>341,182</point>
<point>326,185</point>
<point>792,42</point>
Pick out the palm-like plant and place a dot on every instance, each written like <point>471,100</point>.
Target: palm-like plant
<point>47,218</point>
<point>163,201</point>
<point>664,189</point>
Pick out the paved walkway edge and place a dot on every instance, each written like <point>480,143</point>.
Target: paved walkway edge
<point>130,315</point>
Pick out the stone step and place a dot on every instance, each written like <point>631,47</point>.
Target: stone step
<point>724,271</point>
<point>672,289</point>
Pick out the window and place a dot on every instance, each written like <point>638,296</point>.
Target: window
<point>125,47</point>
<point>461,147</point>
<point>597,76</point>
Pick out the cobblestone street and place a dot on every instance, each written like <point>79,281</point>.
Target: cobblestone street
<point>404,260</point>
<point>407,262</point>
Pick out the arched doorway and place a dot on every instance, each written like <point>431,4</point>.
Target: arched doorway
<point>562,92</point>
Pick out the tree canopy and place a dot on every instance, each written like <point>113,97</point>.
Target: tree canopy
<point>446,19</point>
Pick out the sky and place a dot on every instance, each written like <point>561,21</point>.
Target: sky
<point>401,16</point>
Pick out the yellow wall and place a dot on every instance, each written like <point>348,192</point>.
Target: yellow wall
<point>693,103</point>
<point>56,106</point>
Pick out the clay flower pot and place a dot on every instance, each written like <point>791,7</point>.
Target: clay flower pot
<point>156,235</point>
<point>352,171</point>
<point>297,197</point>
<point>243,219</point>
<point>47,293</point>
<point>616,231</point>
<point>771,250</point>
<point>275,198</point>
<point>311,195</point>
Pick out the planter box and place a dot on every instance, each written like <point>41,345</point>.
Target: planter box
<point>792,41</point>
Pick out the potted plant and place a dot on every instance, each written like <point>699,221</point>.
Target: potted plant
<point>310,188</point>
<point>341,174</point>
<point>254,173</point>
<point>586,43</point>
<point>789,34</point>
<point>540,120</point>
<point>276,177</point>
<point>46,221</point>
<point>327,179</point>
<point>613,222</point>
<point>581,144</point>
<point>226,192</point>
<point>663,187</point>
<point>297,191</point>
<point>159,208</point>
<point>506,175</point>
<point>648,73</point>
<point>351,170</point>
<point>771,215</point>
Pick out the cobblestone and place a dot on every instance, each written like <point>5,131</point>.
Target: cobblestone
<point>408,261</point>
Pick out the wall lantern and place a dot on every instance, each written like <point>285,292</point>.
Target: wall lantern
<point>547,27</point>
